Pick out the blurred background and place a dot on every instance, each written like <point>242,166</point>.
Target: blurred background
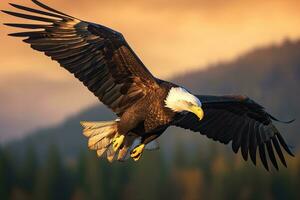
<point>211,47</point>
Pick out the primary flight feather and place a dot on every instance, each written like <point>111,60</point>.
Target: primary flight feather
<point>145,105</point>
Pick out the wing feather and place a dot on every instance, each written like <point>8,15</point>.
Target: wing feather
<point>98,56</point>
<point>242,121</point>
<point>253,143</point>
<point>263,157</point>
<point>271,154</point>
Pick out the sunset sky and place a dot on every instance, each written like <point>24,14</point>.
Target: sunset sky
<point>170,37</point>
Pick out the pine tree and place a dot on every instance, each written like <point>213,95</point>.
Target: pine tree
<point>29,167</point>
<point>7,175</point>
<point>149,179</point>
<point>90,176</point>
<point>180,160</point>
<point>53,181</point>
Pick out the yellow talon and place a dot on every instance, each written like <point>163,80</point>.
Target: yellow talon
<point>117,142</point>
<point>137,152</point>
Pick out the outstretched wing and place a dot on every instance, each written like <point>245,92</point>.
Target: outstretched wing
<point>242,121</point>
<point>98,56</point>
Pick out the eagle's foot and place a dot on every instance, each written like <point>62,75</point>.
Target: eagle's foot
<point>137,152</point>
<point>117,142</point>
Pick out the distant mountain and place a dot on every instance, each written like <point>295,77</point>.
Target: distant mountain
<point>29,101</point>
<point>269,75</point>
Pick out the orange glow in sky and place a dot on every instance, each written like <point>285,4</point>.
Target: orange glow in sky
<point>170,37</point>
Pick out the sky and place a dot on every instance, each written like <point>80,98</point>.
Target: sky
<point>170,37</point>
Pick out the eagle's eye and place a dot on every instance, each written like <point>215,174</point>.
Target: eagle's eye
<point>189,103</point>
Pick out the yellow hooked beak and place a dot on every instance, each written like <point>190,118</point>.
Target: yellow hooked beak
<point>197,111</point>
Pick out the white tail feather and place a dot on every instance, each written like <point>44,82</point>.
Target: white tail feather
<point>101,135</point>
<point>110,153</point>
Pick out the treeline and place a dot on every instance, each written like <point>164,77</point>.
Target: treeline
<point>212,175</point>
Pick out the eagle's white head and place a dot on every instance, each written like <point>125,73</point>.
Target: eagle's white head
<point>180,100</point>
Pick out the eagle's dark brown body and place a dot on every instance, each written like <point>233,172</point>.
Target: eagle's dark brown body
<point>149,117</point>
<point>104,62</point>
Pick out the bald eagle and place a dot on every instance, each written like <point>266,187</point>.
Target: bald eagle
<point>145,105</point>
